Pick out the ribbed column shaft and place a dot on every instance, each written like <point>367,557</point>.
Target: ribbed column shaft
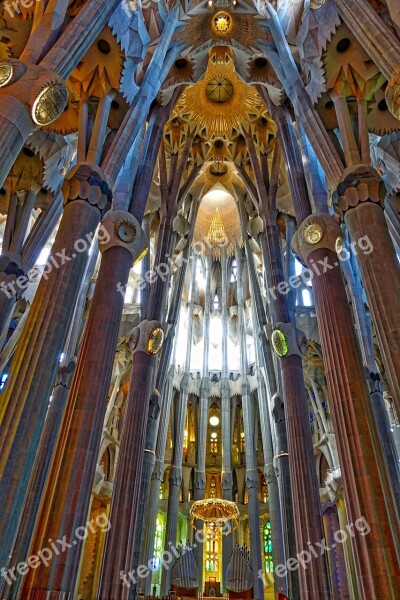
<point>119,542</point>
<point>250,449</point>
<point>66,501</point>
<point>340,589</point>
<point>157,476</point>
<point>314,581</point>
<point>227,540</point>
<point>175,481</point>
<point>16,125</point>
<point>357,440</point>
<point>51,429</point>
<point>367,222</point>
<point>30,383</point>
<point>40,471</point>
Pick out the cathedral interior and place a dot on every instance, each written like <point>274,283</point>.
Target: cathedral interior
<point>199,299</point>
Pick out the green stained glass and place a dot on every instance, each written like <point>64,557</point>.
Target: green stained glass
<point>267,543</point>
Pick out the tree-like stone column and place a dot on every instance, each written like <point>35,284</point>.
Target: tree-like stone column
<point>366,489</point>
<point>25,399</point>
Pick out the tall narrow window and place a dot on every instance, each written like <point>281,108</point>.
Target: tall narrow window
<point>234,271</point>
<point>267,543</point>
<point>216,305</point>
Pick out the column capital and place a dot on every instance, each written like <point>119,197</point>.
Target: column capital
<point>251,479</point>
<point>121,228</point>
<point>359,183</point>
<point>158,470</point>
<point>200,480</point>
<point>175,476</point>
<point>319,230</point>
<point>65,373</point>
<point>374,381</point>
<point>43,93</point>
<point>10,273</point>
<point>87,182</point>
<point>392,93</point>
<point>227,480</point>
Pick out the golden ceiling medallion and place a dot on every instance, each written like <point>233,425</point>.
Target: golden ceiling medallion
<point>222,22</point>
<point>313,233</point>
<point>219,89</point>
<point>220,100</point>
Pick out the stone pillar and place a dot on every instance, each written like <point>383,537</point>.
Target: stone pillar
<point>250,450</point>
<point>146,341</point>
<point>226,475</point>
<point>86,196</point>
<point>10,272</point>
<point>359,195</point>
<point>175,479</point>
<point>294,414</point>
<point>40,471</point>
<point>278,467</point>
<point>51,427</point>
<point>340,590</point>
<point>143,539</point>
<point>157,477</point>
<point>366,489</point>
<point>66,502</point>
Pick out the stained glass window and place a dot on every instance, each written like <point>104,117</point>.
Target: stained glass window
<point>158,543</point>
<point>269,566</point>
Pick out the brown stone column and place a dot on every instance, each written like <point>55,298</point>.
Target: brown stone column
<point>314,581</point>
<point>360,194</point>
<point>24,401</point>
<point>118,549</point>
<point>67,496</point>
<point>340,589</point>
<point>366,488</point>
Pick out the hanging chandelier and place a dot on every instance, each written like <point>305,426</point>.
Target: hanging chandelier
<point>216,511</point>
